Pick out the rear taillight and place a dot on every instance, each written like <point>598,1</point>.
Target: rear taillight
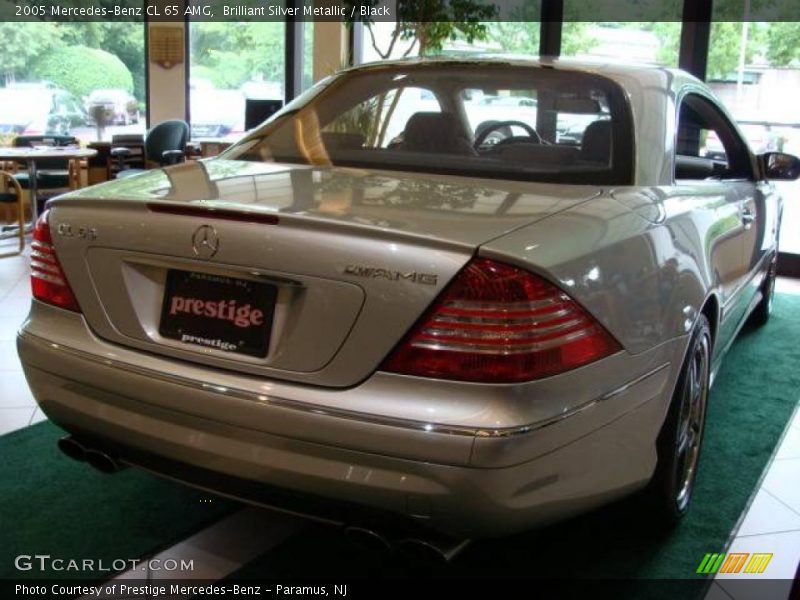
<point>495,323</point>
<point>48,282</point>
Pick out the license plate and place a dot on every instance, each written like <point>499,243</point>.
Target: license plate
<point>222,313</point>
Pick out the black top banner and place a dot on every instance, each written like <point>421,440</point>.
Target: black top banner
<point>349,11</point>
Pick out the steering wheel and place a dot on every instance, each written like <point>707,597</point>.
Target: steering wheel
<point>499,125</point>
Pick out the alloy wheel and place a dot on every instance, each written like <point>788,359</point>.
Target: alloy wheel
<point>692,418</point>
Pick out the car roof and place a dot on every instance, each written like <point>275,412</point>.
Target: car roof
<point>590,64</point>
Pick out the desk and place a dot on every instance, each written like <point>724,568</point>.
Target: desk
<point>31,155</point>
<point>213,146</point>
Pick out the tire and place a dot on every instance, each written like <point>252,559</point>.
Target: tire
<point>761,313</point>
<point>681,437</point>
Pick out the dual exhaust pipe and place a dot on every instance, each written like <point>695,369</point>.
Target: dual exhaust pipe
<point>418,552</point>
<point>433,551</point>
<point>97,458</point>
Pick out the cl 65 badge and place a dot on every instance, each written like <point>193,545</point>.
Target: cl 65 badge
<point>82,232</point>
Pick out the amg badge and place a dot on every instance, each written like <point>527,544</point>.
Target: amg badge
<point>378,273</point>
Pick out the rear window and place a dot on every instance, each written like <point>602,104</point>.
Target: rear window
<point>495,121</point>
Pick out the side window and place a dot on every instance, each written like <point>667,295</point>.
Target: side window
<point>707,146</point>
<point>381,120</point>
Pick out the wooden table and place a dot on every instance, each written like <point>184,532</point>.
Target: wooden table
<point>214,146</point>
<point>31,155</point>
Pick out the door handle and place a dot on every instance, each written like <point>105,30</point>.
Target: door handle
<point>747,218</point>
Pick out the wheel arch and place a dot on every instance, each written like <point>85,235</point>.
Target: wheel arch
<point>711,311</point>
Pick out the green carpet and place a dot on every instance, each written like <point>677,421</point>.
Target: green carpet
<point>52,505</point>
<point>752,399</point>
<point>57,506</point>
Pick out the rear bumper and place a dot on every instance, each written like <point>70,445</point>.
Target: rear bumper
<point>457,480</point>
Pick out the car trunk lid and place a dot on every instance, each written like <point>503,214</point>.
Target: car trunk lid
<point>335,264</point>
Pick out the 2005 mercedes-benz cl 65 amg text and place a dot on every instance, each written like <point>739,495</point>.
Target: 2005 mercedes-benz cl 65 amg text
<point>478,295</point>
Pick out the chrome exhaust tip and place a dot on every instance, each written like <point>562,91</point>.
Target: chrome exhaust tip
<point>368,540</point>
<point>72,448</point>
<point>102,461</point>
<point>430,552</point>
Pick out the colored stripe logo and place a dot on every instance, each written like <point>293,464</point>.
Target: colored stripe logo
<point>734,562</point>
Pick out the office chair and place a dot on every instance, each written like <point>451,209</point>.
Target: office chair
<point>165,144</point>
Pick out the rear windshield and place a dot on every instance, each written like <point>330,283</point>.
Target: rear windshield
<point>494,121</point>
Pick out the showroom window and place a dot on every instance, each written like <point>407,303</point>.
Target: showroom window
<point>308,56</point>
<point>383,40</point>
<point>81,79</point>
<point>231,62</point>
<point>655,41</point>
<point>754,68</point>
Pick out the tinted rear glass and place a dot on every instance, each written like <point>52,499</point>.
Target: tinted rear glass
<point>478,120</point>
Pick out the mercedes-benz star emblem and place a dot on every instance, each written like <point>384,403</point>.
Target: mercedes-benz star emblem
<point>205,241</point>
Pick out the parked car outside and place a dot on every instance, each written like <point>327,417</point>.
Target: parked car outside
<point>119,106</point>
<point>40,109</point>
<point>216,113</point>
<point>419,328</point>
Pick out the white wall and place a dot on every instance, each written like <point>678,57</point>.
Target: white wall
<point>330,48</point>
<point>167,98</point>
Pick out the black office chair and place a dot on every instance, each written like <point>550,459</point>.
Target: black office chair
<point>165,144</point>
<point>52,173</point>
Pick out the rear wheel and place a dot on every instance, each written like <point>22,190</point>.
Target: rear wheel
<point>762,312</point>
<point>681,436</point>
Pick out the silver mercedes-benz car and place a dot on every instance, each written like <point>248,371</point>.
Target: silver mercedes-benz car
<point>387,302</point>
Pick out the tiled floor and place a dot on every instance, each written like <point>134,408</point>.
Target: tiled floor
<point>17,407</point>
<point>772,523</point>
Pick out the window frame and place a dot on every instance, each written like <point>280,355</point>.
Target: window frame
<point>620,173</point>
<point>731,133</point>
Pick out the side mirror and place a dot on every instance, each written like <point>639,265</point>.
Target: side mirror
<point>779,166</point>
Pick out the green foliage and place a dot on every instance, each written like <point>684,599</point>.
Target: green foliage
<point>723,54</point>
<point>123,39</point>
<point>783,43</point>
<point>516,37</point>
<point>669,40</point>
<point>576,38</point>
<point>430,23</point>
<point>231,54</point>
<point>725,46</point>
<point>31,41</point>
<point>80,70</point>
<point>520,36</point>
<point>22,43</point>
